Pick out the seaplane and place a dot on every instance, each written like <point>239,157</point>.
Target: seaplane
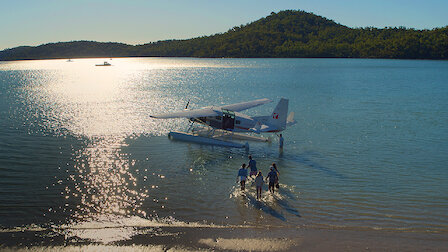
<point>219,124</point>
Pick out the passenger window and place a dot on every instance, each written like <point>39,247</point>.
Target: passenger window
<point>237,121</point>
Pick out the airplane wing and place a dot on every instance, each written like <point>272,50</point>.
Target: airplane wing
<point>208,111</point>
<point>245,105</point>
<point>187,113</point>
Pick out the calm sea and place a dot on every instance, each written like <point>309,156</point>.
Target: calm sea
<point>80,154</point>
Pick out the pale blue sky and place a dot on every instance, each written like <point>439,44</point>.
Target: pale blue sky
<point>35,22</point>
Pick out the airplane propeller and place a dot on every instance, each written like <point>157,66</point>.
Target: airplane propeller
<point>186,108</point>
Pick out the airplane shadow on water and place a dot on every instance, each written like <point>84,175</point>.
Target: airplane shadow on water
<point>302,158</point>
<point>306,161</point>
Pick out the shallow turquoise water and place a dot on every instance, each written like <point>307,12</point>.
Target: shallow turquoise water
<point>78,149</point>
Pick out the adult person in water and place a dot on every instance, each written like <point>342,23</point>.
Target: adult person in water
<point>273,177</point>
<point>280,142</point>
<point>242,176</point>
<point>259,184</point>
<point>278,175</point>
<point>253,166</point>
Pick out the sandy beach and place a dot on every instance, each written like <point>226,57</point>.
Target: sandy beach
<point>233,239</point>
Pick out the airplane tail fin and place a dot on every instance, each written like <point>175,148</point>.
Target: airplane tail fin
<point>280,114</point>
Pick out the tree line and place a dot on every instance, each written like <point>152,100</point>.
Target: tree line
<point>286,34</point>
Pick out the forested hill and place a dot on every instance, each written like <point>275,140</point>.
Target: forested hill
<point>284,34</point>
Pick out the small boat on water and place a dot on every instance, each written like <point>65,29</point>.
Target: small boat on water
<point>69,60</point>
<point>104,64</point>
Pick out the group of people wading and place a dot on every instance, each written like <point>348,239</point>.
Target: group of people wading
<point>271,178</point>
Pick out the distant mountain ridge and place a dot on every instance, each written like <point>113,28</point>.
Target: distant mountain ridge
<point>286,34</point>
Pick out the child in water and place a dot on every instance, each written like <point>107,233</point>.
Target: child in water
<point>259,184</point>
<point>242,176</point>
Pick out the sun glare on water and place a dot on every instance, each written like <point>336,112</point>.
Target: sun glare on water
<point>103,105</point>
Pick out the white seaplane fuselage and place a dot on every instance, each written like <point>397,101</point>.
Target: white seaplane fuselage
<point>241,122</point>
<point>228,119</point>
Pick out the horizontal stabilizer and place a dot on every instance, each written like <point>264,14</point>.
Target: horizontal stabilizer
<point>290,119</point>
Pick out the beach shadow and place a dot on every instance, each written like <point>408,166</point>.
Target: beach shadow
<point>265,208</point>
<point>287,193</point>
<point>287,207</point>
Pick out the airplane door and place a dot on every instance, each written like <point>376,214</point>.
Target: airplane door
<point>228,120</point>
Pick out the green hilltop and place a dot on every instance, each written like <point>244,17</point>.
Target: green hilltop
<point>286,34</point>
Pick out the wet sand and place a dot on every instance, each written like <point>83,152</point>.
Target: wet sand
<point>233,239</point>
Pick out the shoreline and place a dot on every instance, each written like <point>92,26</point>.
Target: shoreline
<point>231,239</point>
<point>196,57</point>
